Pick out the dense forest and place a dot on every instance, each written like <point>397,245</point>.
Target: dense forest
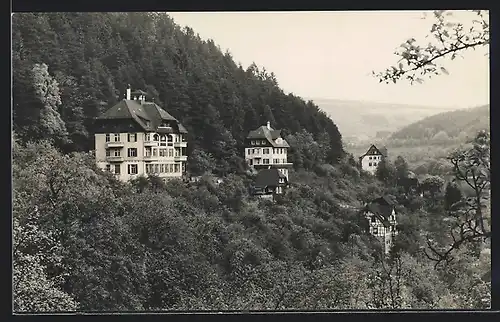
<point>70,67</point>
<point>83,241</point>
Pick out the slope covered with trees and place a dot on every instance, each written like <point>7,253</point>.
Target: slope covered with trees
<point>70,67</point>
<point>452,126</point>
<point>85,241</point>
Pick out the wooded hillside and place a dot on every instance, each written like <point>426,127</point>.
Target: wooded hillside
<point>91,57</point>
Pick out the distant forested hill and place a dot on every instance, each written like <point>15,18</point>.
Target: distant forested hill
<point>454,125</point>
<point>364,121</point>
<point>70,67</point>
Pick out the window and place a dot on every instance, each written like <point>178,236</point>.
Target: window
<point>170,140</point>
<point>253,142</point>
<point>257,161</point>
<point>265,151</point>
<point>373,219</point>
<point>155,152</point>
<point>284,160</point>
<point>117,137</point>
<point>108,152</point>
<point>162,168</point>
<point>108,137</point>
<point>156,137</point>
<point>370,164</point>
<point>276,160</point>
<point>170,152</point>
<point>171,167</point>
<point>176,168</point>
<point>183,167</point>
<point>177,152</point>
<point>157,168</point>
<point>117,153</point>
<point>147,152</point>
<point>250,162</point>
<point>132,169</point>
<point>265,161</point>
<point>108,167</point>
<point>132,152</point>
<point>132,137</point>
<point>257,151</point>
<point>374,164</point>
<point>369,158</point>
<point>147,168</point>
<point>117,169</point>
<point>375,230</point>
<point>163,152</point>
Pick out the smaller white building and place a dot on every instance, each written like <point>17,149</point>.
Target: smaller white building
<point>370,160</point>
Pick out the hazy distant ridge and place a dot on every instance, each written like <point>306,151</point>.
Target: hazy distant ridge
<point>361,120</point>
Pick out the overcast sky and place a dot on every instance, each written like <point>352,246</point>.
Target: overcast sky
<point>332,54</point>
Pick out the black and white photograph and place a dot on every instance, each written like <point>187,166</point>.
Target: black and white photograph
<point>241,161</point>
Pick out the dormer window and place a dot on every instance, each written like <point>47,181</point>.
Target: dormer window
<point>279,140</point>
<point>170,140</point>
<point>156,137</point>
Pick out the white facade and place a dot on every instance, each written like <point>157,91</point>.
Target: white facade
<point>370,163</point>
<point>258,155</point>
<point>129,155</point>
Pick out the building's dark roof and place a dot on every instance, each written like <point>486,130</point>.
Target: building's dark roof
<point>141,113</point>
<point>269,134</point>
<point>269,178</point>
<point>138,92</point>
<point>372,151</point>
<point>382,208</point>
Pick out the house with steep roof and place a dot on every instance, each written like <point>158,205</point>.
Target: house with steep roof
<point>136,137</point>
<point>370,160</point>
<point>266,149</point>
<point>381,216</point>
<point>269,182</point>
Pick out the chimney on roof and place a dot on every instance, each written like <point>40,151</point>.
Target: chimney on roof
<point>268,125</point>
<point>128,92</point>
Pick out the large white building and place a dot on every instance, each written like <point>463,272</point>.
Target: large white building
<point>135,137</point>
<point>266,149</point>
<point>370,160</point>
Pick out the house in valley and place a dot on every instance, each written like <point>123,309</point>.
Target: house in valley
<point>266,152</point>
<point>381,216</point>
<point>136,137</point>
<point>370,160</point>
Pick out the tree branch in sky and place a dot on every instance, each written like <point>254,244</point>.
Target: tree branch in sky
<point>447,39</point>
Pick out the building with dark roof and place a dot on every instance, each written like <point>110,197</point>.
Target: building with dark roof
<point>266,149</point>
<point>370,160</point>
<point>381,216</point>
<point>136,137</point>
<point>269,182</point>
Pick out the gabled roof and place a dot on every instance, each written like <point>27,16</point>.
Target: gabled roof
<point>269,178</point>
<point>382,208</point>
<point>144,113</point>
<point>269,134</point>
<point>372,151</point>
<point>138,92</point>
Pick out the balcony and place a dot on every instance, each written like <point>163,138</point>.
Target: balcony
<point>150,158</point>
<point>180,144</point>
<point>150,143</point>
<point>272,165</point>
<point>113,158</point>
<point>180,158</point>
<point>115,144</point>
